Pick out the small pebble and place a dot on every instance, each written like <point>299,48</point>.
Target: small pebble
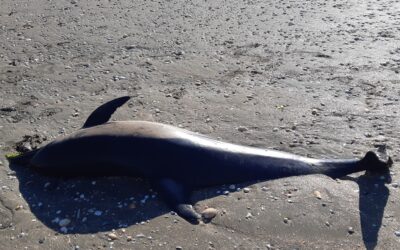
<point>397,233</point>
<point>314,112</point>
<point>140,236</point>
<point>249,215</point>
<point>64,222</point>
<point>350,230</point>
<point>209,213</point>
<point>318,195</point>
<point>242,129</point>
<point>129,47</point>
<point>112,236</point>
<point>178,248</point>
<point>98,213</point>
<point>246,190</point>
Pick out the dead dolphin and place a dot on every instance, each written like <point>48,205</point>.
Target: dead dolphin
<point>175,160</point>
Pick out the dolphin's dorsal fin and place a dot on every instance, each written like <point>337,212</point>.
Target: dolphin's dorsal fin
<point>103,113</point>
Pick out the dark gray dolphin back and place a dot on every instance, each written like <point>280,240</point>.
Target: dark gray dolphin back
<point>103,113</point>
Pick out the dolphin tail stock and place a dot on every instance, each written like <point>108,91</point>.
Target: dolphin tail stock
<point>372,162</point>
<point>23,159</point>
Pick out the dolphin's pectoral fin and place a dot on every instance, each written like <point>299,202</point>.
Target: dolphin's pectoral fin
<point>176,196</point>
<point>187,212</point>
<point>103,113</point>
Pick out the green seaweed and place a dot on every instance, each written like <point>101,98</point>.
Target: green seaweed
<point>12,155</point>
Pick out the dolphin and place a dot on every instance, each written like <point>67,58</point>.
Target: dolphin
<point>176,161</point>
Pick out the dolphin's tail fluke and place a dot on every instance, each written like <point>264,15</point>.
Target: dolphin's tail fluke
<point>372,162</point>
<point>376,161</point>
<point>22,159</point>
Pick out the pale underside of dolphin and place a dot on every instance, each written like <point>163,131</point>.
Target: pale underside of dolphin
<point>176,161</point>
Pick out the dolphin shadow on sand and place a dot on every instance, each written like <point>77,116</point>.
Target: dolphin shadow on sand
<point>102,204</point>
<point>90,204</point>
<point>373,197</point>
<point>96,204</point>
